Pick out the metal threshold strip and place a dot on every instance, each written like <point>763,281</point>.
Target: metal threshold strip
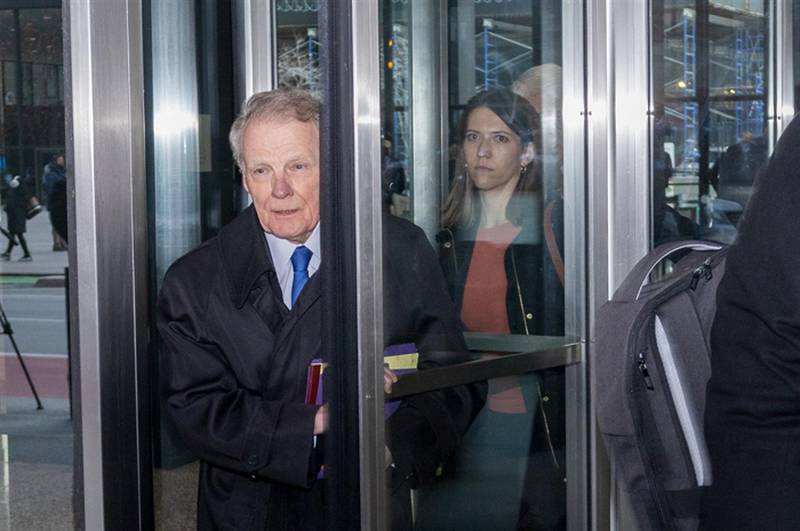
<point>486,369</point>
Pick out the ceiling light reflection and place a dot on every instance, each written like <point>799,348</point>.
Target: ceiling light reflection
<point>172,121</point>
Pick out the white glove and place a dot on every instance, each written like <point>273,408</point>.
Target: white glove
<point>14,182</point>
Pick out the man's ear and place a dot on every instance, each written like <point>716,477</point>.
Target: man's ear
<point>244,180</point>
<point>528,154</point>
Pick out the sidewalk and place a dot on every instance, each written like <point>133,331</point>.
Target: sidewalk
<point>46,262</point>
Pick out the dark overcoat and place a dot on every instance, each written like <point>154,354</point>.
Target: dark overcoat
<point>752,419</point>
<point>16,208</point>
<point>234,367</point>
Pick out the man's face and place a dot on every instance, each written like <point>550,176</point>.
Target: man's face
<point>281,164</point>
<point>60,160</point>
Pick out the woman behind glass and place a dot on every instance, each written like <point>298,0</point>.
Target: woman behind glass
<point>492,254</point>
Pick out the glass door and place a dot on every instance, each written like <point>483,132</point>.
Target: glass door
<point>481,273</point>
<point>193,192</point>
<point>453,240</point>
<point>37,424</point>
<point>713,121</point>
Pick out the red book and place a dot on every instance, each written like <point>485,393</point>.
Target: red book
<point>400,358</point>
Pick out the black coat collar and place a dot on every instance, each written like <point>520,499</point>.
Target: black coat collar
<point>245,254</point>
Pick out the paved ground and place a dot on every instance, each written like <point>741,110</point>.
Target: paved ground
<point>35,445</point>
<point>46,262</point>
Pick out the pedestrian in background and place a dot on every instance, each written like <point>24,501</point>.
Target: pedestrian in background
<point>54,184</point>
<point>17,198</point>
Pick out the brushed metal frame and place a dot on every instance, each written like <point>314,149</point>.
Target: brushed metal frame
<point>110,257</point>
<point>619,188</point>
<point>630,169</point>
<point>255,31</point>
<point>369,259</point>
<point>599,70</point>
<point>578,418</point>
<point>630,120</point>
<point>427,120</point>
<point>783,71</point>
<point>255,55</point>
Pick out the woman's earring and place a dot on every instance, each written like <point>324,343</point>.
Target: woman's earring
<point>523,168</point>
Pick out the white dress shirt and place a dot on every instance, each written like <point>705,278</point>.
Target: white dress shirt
<point>281,251</point>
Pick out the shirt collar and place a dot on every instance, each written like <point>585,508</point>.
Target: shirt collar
<point>282,250</point>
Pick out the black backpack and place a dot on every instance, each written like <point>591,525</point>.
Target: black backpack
<point>652,366</point>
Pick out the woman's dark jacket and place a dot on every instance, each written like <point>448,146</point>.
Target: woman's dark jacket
<point>534,300</point>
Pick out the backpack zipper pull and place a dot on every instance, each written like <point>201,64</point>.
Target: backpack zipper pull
<point>709,271</point>
<point>642,364</point>
<point>703,270</point>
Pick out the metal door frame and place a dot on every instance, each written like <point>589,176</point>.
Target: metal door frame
<point>603,130</point>
<point>108,254</point>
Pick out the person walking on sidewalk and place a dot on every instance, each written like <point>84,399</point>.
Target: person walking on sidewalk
<point>54,185</point>
<point>16,209</point>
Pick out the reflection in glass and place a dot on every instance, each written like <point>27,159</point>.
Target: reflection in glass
<point>710,88</point>
<point>298,45</point>
<point>395,81</point>
<point>34,443</point>
<point>500,234</point>
<point>491,252</point>
<point>175,128</point>
<point>175,206</point>
<point>501,479</point>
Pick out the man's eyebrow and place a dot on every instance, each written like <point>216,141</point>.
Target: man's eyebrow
<point>257,165</point>
<point>304,157</point>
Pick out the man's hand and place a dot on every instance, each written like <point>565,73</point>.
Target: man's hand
<point>321,420</point>
<point>389,378</point>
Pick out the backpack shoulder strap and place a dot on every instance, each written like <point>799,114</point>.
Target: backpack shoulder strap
<point>637,279</point>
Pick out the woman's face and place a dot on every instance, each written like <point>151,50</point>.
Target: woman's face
<point>493,152</point>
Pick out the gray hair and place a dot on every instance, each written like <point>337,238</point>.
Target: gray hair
<point>538,81</point>
<point>282,103</point>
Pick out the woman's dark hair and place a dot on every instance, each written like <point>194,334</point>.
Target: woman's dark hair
<point>519,115</point>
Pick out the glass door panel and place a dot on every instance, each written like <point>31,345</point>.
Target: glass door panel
<point>192,190</point>
<point>297,45</point>
<point>472,155</point>
<point>710,87</point>
<point>191,168</point>
<point>498,479</point>
<point>37,437</point>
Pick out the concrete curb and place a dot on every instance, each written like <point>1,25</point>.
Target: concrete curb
<point>35,281</point>
<point>52,281</point>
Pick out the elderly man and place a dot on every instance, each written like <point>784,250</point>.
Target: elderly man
<point>240,321</point>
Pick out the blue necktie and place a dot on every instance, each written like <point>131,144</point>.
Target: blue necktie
<point>300,259</point>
